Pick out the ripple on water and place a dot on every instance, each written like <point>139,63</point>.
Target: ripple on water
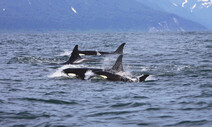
<point>1,101</point>
<point>111,113</point>
<point>153,109</point>
<point>189,123</point>
<point>50,101</point>
<point>128,105</point>
<point>56,93</point>
<point>118,105</point>
<point>34,60</point>
<point>21,115</point>
<point>140,97</point>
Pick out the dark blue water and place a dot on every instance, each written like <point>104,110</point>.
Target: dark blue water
<point>33,91</point>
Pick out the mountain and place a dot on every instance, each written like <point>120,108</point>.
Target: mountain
<point>195,10</point>
<point>116,15</point>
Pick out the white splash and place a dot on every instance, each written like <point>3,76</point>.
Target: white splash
<point>133,79</point>
<point>124,74</point>
<point>66,53</point>
<point>182,68</point>
<point>106,62</point>
<point>59,71</point>
<point>74,10</point>
<point>183,4</point>
<point>88,74</point>
<point>145,69</point>
<point>150,78</point>
<point>3,9</point>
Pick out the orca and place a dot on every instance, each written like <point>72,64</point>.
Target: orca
<point>119,50</point>
<point>112,74</point>
<point>75,57</point>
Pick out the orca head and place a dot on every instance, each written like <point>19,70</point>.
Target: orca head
<point>143,77</point>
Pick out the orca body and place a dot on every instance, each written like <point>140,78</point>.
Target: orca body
<point>119,50</point>
<point>110,74</point>
<point>116,77</point>
<point>80,72</point>
<point>75,57</point>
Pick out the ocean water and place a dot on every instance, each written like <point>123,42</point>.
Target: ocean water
<point>34,92</point>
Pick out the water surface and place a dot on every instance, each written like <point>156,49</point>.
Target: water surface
<point>33,92</point>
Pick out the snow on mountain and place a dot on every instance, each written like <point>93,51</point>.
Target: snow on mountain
<point>183,4</point>
<point>205,3</point>
<point>200,10</point>
<point>74,10</point>
<point>192,4</point>
<point>195,10</point>
<point>175,4</point>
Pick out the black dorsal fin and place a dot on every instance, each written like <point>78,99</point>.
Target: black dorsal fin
<point>74,55</point>
<point>118,65</point>
<point>119,50</point>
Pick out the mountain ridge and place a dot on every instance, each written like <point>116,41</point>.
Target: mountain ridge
<point>117,15</point>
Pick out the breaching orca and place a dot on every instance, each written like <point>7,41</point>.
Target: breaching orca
<point>75,57</point>
<point>112,74</point>
<point>119,50</point>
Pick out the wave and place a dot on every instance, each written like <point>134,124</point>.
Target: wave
<point>50,101</point>
<point>22,115</point>
<point>190,123</point>
<point>66,53</point>
<point>59,71</point>
<point>33,60</point>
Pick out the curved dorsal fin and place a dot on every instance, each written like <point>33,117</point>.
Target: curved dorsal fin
<point>119,50</point>
<point>74,55</point>
<point>117,67</point>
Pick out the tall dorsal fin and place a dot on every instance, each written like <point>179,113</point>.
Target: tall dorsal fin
<point>74,55</point>
<point>118,65</point>
<point>119,50</point>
